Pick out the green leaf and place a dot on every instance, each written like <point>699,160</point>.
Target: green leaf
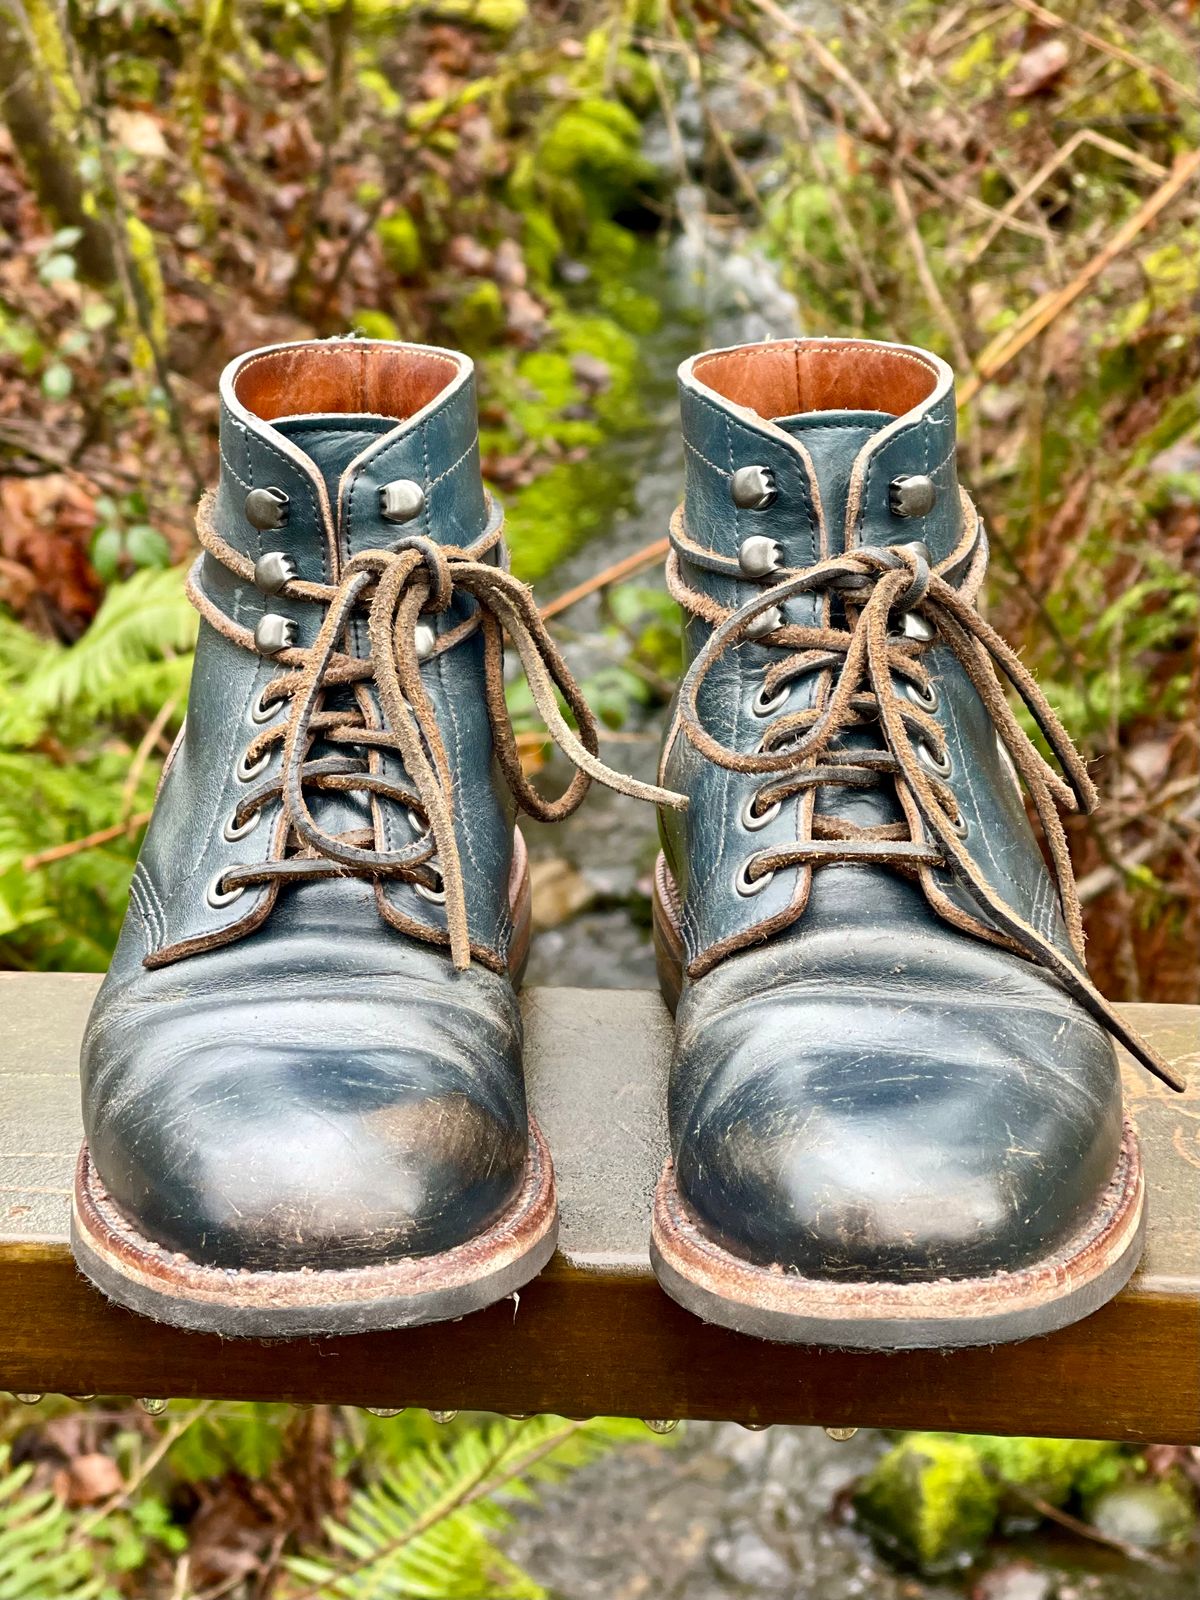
<point>97,314</point>
<point>40,1559</point>
<point>107,549</point>
<point>140,620</point>
<point>57,381</point>
<point>57,269</point>
<point>147,547</point>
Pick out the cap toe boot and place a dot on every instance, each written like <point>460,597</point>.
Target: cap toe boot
<point>895,1106</point>
<point>302,1089</point>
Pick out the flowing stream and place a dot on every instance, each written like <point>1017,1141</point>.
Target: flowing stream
<point>713,290</point>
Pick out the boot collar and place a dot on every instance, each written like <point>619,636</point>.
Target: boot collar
<point>408,414</point>
<point>854,442</point>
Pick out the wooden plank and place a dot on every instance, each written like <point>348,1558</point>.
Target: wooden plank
<point>595,1334</point>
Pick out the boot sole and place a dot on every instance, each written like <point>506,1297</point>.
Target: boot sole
<point>147,1277</point>
<point>947,1313</point>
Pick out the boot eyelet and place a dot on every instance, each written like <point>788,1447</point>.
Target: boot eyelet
<point>959,826</point>
<point>940,766</point>
<point>436,897</point>
<point>245,770</point>
<point>233,830</point>
<point>753,488</point>
<point>762,706</point>
<point>914,626</point>
<point>417,823</point>
<point>264,710</point>
<point>753,820</point>
<point>218,897</point>
<point>928,698</point>
<point>747,886</point>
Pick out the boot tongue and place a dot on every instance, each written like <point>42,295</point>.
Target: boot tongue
<point>331,440</point>
<point>833,440</point>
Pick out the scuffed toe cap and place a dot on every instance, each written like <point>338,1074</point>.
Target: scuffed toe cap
<point>331,1131</point>
<point>938,1129</point>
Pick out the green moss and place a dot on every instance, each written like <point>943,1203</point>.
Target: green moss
<point>497,16</point>
<point>476,315</point>
<point>610,249</point>
<point>50,54</point>
<point>596,142</point>
<point>542,240</point>
<point>1048,1468</point>
<point>401,242</point>
<point>587,164</point>
<point>930,1500</point>
<point>375,325</point>
<point>144,258</point>
<point>544,403</point>
<point>558,512</point>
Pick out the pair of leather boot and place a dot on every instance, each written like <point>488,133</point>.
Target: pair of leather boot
<point>895,1108</point>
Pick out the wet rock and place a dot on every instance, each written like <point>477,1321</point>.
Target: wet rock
<point>560,891</point>
<point>1014,1581</point>
<point>1150,1515</point>
<point>747,1558</point>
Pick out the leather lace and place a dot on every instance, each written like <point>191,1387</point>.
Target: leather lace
<point>861,661</point>
<point>393,588</point>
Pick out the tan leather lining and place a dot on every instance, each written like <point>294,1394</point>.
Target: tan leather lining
<point>794,375</point>
<point>382,380</point>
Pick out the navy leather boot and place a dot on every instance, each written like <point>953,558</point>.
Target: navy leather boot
<point>895,1106</point>
<point>302,1087</point>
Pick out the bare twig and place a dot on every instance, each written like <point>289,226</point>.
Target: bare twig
<point>1100,141</point>
<point>729,155</point>
<point>929,283</point>
<point>647,556</point>
<point>340,28</point>
<point>877,126</point>
<point>847,234</point>
<point>1086,1530</point>
<point>134,1482</point>
<point>1100,881</point>
<point>142,754</point>
<point>91,841</point>
<point>1051,19</point>
<point>1038,317</point>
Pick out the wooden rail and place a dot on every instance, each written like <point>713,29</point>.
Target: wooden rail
<point>595,1335</point>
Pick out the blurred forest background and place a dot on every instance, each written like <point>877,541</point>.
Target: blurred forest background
<point>578,193</point>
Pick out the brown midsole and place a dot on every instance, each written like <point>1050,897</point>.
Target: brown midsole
<point>1091,1253</point>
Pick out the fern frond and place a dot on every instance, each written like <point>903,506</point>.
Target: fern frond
<point>66,914</point>
<point>141,620</point>
<point>245,1438</point>
<point>39,1558</point>
<point>425,1529</point>
<point>21,651</point>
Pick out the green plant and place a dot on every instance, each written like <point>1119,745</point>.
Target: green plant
<point>426,1526</point>
<point>40,1558</point>
<point>76,772</point>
